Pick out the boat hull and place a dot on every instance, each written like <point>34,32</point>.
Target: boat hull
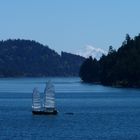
<point>54,112</point>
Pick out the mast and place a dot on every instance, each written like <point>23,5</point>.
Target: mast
<point>36,101</point>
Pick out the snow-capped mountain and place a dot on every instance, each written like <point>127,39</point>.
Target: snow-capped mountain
<point>91,51</point>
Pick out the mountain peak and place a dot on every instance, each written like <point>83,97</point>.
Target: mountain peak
<point>89,50</point>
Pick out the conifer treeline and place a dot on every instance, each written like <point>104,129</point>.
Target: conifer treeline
<point>118,68</point>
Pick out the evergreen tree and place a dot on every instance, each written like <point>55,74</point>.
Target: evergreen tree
<point>89,71</point>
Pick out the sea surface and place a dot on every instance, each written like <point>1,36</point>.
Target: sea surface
<point>86,112</point>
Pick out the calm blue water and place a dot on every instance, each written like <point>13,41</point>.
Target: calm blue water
<point>100,113</point>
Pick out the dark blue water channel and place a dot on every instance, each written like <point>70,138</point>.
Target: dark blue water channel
<point>86,112</point>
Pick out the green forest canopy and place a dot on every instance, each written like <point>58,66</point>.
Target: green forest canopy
<point>118,68</point>
<point>29,58</point>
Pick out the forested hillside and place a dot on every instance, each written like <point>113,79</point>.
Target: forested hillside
<point>30,58</point>
<point>118,68</point>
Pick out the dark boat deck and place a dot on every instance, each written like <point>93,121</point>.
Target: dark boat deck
<point>54,112</point>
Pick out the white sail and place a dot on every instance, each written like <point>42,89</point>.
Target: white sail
<point>36,101</point>
<point>49,100</point>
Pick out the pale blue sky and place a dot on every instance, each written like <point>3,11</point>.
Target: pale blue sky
<point>69,25</point>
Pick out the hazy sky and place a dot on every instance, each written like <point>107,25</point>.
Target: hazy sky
<point>70,25</point>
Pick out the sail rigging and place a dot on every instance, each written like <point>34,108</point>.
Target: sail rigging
<point>46,105</point>
<point>36,101</point>
<point>49,99</point>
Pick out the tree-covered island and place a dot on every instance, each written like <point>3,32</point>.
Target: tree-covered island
<point>28,58</point>
<point>117,68</point>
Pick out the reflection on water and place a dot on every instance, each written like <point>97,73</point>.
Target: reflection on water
<point>85,111</point>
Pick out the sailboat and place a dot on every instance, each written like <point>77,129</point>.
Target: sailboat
<point>48,107</point>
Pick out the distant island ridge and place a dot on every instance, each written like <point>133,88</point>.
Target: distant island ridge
<point>119,68</point>
<point>28,58</point>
